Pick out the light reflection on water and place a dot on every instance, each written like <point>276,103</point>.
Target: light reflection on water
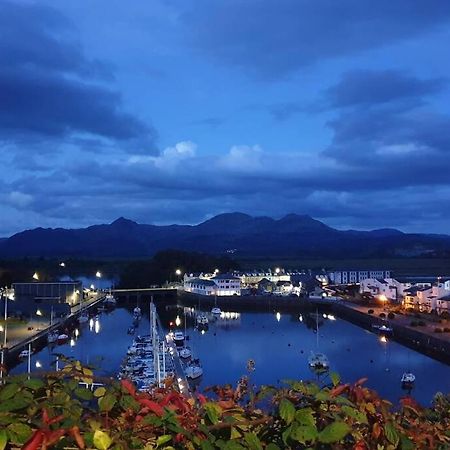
<point>280,349</point>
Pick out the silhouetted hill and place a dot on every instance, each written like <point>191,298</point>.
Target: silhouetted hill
<point>234,233</point>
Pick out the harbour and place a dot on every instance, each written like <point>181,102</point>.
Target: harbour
<point>278,341</point>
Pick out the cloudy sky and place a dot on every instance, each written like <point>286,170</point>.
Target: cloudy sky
<point>170,111</point>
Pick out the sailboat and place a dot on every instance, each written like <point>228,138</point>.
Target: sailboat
<point>216,310</point>
<point>185,352</point>
<point>408,378</point>
<point>318,361</point>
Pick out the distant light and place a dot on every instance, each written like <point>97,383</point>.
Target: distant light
<point>91,324</point>
<point>72,342</point>
<point>76,332</point>
<point>300,317</point>
<point>178,272</point>
<point>35,276</point>
<point>203,331</point>
<point>383,339</point>
<point>39,312</point>
<point>180,380</point>
<point>38,364</point>
<point>331,317</point>
<point>97,327</point>
<point>62,264</point>
<point>1,329</point>
<point>278,316</point>
<point>98,274</point>
<point>178,321</point>
<point>324,316</point>
<point>92,287</point>
<point>277,270</point>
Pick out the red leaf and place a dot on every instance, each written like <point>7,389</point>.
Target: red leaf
<point>75,433</point>
<point>338,390</point>
<point>152,406</point>
<point>202,399</point>
<point>35,441</point>
<point>129,387</point>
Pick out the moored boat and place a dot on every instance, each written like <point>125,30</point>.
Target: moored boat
<point>407,380</point>
<point>178,337</point>
<point>318,362</point>
<point>185,353</point>
<point>216,311</point>
<point>194,370</point>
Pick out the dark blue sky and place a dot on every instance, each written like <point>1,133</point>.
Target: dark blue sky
<point>173,111</point>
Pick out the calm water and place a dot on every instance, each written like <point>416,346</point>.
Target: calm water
<point>280,349</point>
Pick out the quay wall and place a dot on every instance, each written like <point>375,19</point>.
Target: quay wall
<point>429,345</point>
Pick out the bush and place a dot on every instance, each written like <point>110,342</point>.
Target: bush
<point>382,315</point>
<point>438,330</point>
<point>391,315</point>
<point>54,412</point>
<point>370,311</point>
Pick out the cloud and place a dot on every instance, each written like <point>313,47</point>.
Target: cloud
<point>273,38</point>
<point>372,87</point>
<point>50,91</point>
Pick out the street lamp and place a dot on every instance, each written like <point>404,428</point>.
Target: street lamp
<point>62,264</point>
<point>36,276</point>
<point>277,270</point>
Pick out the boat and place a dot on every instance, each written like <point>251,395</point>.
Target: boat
<point>385,329</point>
<point>216,311</point>
<point>185,353</point>
<point>25,353</point>
<point>318,361</point>
<point>202,320</point>
<point>137,311</point>
<point>110,300</point>
<point>178,337</point>
<point>52,337</point>
<point>194,370</point>
<point>62,338</point>
<point>84,317</point>
<point>407,380</point>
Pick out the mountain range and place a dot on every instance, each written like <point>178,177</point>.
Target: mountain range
<point>236,234</point>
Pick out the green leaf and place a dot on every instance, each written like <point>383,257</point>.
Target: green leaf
<point>335,378</point>
<point>163,439</point>
<point>102,441</point>
<point>323,396</point>
<point>3,439</point>
<point>19,432</point>
<point>34,384</point>
<point>253,441</point>
<point>107,402</point>
<point>206,445</point>
<point>287,411</point>
<point>8,391</point>
<point>272,446</point>
<point>406,443</point>
<point>212,412</point>
<point>391,433</point>
<point>304,433</point>
<point>83,393</point>
<point>334,432</point>
<point>305,416</point>
<point>233,445</point>
<point>359,416</point>
<point>14,404</point>
<point>286,434</point>
<point>127,401</point>
<point>100,392</point>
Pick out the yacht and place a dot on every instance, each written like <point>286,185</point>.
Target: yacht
<point>202,320</point>
<point>110,300</point>
<point>25,353</point>
<point>407,380</point>
<point>185,353</point>
<point>216,311</point>
<point>318,362</point>
<point>178,337</point>
<point>194,370</point>
<point>62,338</point>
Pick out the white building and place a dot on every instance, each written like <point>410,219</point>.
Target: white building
<point>427,299</point>
<point>221,285</point>
<point>390,288</point>
<point>356,276</point>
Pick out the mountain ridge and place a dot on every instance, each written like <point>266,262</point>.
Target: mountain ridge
<point>237,233</point>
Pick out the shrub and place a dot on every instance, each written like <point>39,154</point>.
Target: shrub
<point>391,315</point>
<point>438,330</point>
<point>370,311</point>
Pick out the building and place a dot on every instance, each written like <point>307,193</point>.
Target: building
<point>427,299</point>
<point>392,289</point>
<point>221,285</point>
<point>59,296</point>
<point>354,276</point>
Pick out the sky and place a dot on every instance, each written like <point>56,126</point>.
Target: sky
<point>169,111</point>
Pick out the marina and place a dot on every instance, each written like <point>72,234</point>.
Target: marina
<point>279,342</point>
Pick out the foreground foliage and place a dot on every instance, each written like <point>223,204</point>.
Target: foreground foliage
<point>55,411</point>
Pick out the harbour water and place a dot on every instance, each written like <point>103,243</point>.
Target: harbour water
<point>279,344</point>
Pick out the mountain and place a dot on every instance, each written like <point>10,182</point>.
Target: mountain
<point>234,233</point>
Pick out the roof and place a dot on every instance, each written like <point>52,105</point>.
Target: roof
<point>225,276</point>
<point>202,281</point>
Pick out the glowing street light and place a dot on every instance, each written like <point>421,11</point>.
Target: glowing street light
<point>178,321</point>
<point>278,316</point>
<point>62,264</point>
<point>98,274</point>
<point>277,270</point>
<point>38,365</point>
<point>39,312</point>
<point>178,272</point>
<point>36,276</point>
<point>383,339</point>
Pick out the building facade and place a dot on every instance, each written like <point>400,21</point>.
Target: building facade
<point>356,276</point>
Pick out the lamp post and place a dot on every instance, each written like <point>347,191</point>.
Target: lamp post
<point>178,274</point>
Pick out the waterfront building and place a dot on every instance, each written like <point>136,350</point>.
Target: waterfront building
<point>59,296</point>
<point>392,289</point>
<point>221,285</point>
<point>354,276</point>
<point>427,299</point>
